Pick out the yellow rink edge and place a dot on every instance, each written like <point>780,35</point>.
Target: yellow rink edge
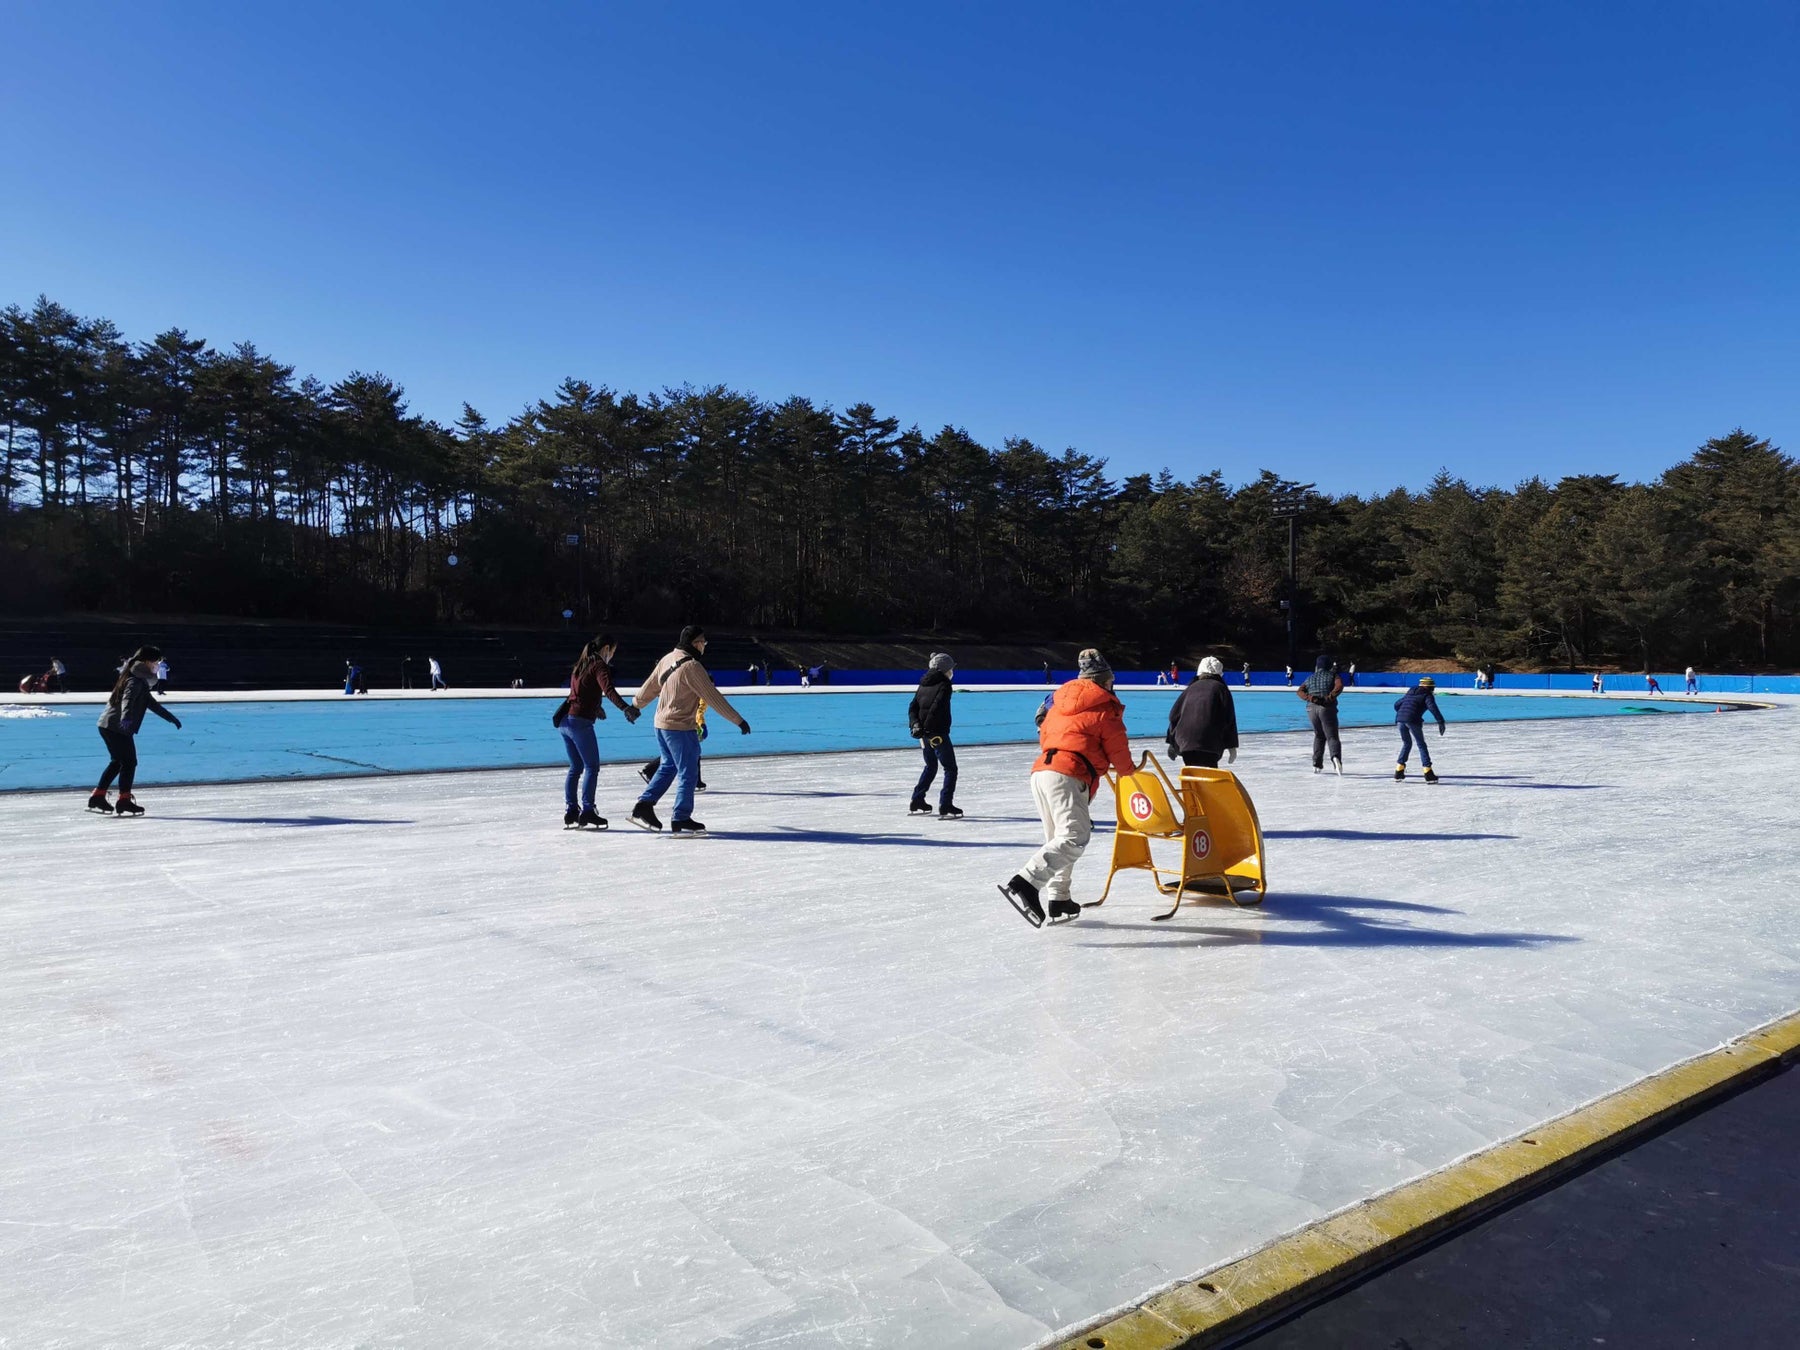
<point>1216,1307</point>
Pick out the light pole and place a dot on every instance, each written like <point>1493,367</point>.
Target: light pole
<point>1289,502</point>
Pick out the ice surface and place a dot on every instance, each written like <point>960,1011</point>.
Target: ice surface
<point>399,1063</point>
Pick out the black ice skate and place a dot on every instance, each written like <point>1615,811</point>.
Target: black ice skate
<point>1023,896</point>
<point>687,827</point>
<point>950,813</point>
<point>700,785</point>
<point>128,806</point>
<point>643,815</point>
<point>918,808</point>
<point>647,772</point>
<point>1061,911</point>
<point>570,816</point>
<point>98,802</point>
<point>1399,773</point>
<point>1430,777</point>
<point>590,819</point>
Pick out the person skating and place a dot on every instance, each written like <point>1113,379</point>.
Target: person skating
<point>1409,715</point>
<point>437,674</point>
<point>1246,674</point>
<point>1693,681</point>
<point>679,685</point>
<point>1080,739</point>
<point>1203,722</point>
<point>1651,685</point>
<point>928,720</point>
<point>590,685</point>
<point>1290,676</point>
<point>1595,686</point>
<point>119,724</point>
<point>1320,692</point>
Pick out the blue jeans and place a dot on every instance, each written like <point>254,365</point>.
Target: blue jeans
<point>942,753</point>
<point>584,759</point>
<point>680,765</point>
<point>1410,732</point>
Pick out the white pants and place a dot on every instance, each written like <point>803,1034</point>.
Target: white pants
<point>1062,802</point>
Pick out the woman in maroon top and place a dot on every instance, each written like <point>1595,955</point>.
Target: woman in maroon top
<point>590,684</point>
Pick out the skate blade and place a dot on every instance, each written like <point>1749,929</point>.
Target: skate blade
<point>1067,918</point>
<point>1035,920</point>
<point>646,825</point>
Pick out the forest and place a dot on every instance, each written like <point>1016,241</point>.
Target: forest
<point>168,476</point>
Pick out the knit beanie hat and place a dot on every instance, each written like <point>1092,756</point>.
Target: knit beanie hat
<point>1427,683</point>
<point>1211,665</point>
<point>1324,662</point>
<point>1090,665</point>
<point>940,661</point>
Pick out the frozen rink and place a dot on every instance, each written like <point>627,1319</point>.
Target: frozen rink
<point>398,1062</point>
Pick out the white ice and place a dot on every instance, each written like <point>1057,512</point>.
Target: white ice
<point>399,1063</point>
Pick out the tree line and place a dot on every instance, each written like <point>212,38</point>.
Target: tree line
<point>171,476</point>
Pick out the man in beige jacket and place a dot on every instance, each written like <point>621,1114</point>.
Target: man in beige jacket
<point>683,685</point>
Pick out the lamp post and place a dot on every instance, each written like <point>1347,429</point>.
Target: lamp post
<point>1289,502</point>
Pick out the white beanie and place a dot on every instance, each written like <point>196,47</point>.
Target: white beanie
<point>1211,665</point>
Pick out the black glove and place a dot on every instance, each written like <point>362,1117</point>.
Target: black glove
<point>600,712</point>
<point>632,714</point>
<point>177,722</point>
<point>744,727</point>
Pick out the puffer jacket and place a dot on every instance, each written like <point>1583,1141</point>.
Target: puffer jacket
<point>1414,704</point>
<point>1083,734</point>
<point>126,712</point>
<point>683,686</point>
<point>1204,719</point>
<point>928,716</point>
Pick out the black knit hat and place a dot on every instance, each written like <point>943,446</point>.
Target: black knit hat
<point>688,634</point>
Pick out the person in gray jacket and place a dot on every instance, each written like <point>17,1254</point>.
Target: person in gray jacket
<point>1320,693</point>
<point>119,723</point>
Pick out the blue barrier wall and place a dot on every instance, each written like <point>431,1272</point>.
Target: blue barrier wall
<point>1673,683</point>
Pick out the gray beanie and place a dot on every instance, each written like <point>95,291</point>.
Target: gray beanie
<point>940,661</point>
<point>1090,665</point>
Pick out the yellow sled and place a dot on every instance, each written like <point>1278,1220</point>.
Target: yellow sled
<point>1221,838</point>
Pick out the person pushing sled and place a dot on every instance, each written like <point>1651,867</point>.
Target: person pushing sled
<point>1081,737</point>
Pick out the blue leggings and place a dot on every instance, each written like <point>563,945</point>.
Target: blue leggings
<point>584,759</point>
<point>1410,732</point>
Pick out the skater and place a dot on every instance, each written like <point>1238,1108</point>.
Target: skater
<point>1246,674</point>
<point>437,674</point>
<point>1693,681</point>
<point>1320,694</point>
<point>1203,722</point>
<point>1290,677</point>
<point>1174,672</point>
<point>928,721</point>
<point>1595,686</point>
<point>1480,679</point>
<point>353,679</point>
<point>119,723</point>
<point>1350,675</point>
<point>1651,684</point>
<point>1047,679</point>
<point>1409,715</point>
<point>681,684</point>
<point>162,677</point>
<point>1081,738</point>
<point>590,685</point>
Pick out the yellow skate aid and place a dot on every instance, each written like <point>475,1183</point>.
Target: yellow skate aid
<point>1212,815</point>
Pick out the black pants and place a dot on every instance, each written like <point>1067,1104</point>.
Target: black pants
<point>1202,759</point>
<point>1323,717</point>
<point>941,753</point>
<point>122,746</point>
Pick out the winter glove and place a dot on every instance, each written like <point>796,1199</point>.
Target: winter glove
<point>1231,755</point>
<point>177,722</point>
<point>632,714</point>
<point>744,728</point>
<point>601,713</point>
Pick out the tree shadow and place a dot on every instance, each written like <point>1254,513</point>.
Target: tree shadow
<point>1384,835</point>
<point>1343,927</point>
<point>291,821</point>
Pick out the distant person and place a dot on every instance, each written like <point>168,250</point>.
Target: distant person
<point>1246,674</point>
<point>823,675</point>
<point>1595,685</point>
<point>437,674</point>
<point>590,686</point>
<point>1080,739</point>
<point>1480,679</point>
<point>1047,679</point>
<point>1350,675</point>
<point>119,723</point>
<point>406,672</point>
<point>805,677</point>
<point>1693,681</point>
<point>1651,684</point>
<point>1203,722</point>
<point>50,682</point>
<point>353,679</point>
<point>162,676</point>
<point>1290,676</point>
<point>1174,672</point>
<point>1319,691</point>
<point>928,721</point>
<point>679,685</point>
<point>1409,715</point>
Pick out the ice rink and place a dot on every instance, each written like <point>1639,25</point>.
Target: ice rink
<point>398,1062</point>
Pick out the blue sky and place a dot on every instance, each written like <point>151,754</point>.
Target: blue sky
<point>1351,243</point>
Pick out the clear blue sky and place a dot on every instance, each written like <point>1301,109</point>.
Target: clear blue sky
<point>1348,242</point>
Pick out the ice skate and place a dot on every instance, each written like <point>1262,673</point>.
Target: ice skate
<point>646,772</point>
<point>1337,766</point>
<point>98,802</point>
<point>1023,896</point>
<point>1399,773</point>
<point>128,806</point>
<point>688,827</point>
<point>918,808</point>
<point>590,819</point>
<point>700,785</point>
<point>570,816</point>
<point>1318,768</point>
<point>950,813</point>
<point>643,815</point>
<point>1061,911</point>
<point>1430,777</point>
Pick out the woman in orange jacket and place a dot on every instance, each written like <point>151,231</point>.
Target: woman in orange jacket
<point>1080,738</point>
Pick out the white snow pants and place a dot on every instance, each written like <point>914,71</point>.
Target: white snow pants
<point>1062,801</point>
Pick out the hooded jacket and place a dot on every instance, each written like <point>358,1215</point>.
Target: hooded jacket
<point>1083,734</point>
<point>1204,719</point>
<point>928,716</point>
<point>683,685</point>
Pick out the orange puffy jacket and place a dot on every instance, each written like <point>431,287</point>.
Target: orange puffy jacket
<point>1083,734</point>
